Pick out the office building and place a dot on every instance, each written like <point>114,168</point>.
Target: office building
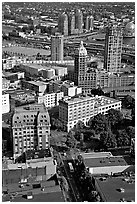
<point>57,47</point>
<point>5,103</point>
<point>113,49</point>
<point>63,24</point>
<point>89,23</point>
<point>30,128</point>
<point>82,108</point>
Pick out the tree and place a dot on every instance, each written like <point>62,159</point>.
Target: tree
<point>108,139</point>
<point>123,139</point>
<point>80,125</point>
<point>98,123</point>
<point>130,131</point>
<point>114,117</point>
<point>98,92</point>
<point>128,102</point>
<point>71,141</point>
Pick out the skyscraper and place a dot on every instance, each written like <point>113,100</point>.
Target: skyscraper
<point>31,129</point>
<point>63,24</point>
<point>113,49</point>
<point>57,47</point>
<point>84,77</point>
<point>79,20</point>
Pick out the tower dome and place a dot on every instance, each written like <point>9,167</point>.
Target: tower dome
<point>81,50</point>
<point>130,29</point>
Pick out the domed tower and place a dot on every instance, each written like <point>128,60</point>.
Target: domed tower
<point>129,30</point>
<point>80,62</point>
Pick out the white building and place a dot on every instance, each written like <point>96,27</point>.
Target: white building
<point>5,103</point>
<point>51,99</point>
<point>70,89</point>
<point>82,108</point>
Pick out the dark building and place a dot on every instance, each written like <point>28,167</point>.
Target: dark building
<point>113,49</point>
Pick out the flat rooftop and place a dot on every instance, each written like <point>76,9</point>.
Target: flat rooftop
<point>43,197</point>
<point>97,100</point>
<point>34,66</point>
<point>119,88</point>
<point>36,154</point>
<point>18,92</point>
<point>96,155</point>
<point>105,161</point>
<point>110,188</point>
<point>37,83</point>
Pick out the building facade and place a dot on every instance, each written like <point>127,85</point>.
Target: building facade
<point>31,129</point>
<point>71,110</point>
<point>57,47</point>
<point>113,49</point>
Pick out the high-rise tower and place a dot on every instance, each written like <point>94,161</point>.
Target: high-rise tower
<point>84,77</point>
<point>79,20</point>
<point>113,49</point>
<point>63,24</point>
<point>57,47</point>
<point>89,23</point>
<point>71,24</point>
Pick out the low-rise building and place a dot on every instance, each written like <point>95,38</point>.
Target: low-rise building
<point>5,84</point>
<point>13,76</point>
<point>116,189</point>
<point>71,110</point>
<point>8,63</point>
<point>51,99</point>
<point>104,163</point>
<point>70,89</point>
<point>5,103</point>
<point>37,86</point>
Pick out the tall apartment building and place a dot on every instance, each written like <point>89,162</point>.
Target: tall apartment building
<point>89,23</point>
<point>30,128</point>
<point>79,20</point>
<point>72,110</point>
<point>63,24</point>
<point>113,49</point>
<point>84,77</point>
<point>57,47</point>
<point>71,23</point>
